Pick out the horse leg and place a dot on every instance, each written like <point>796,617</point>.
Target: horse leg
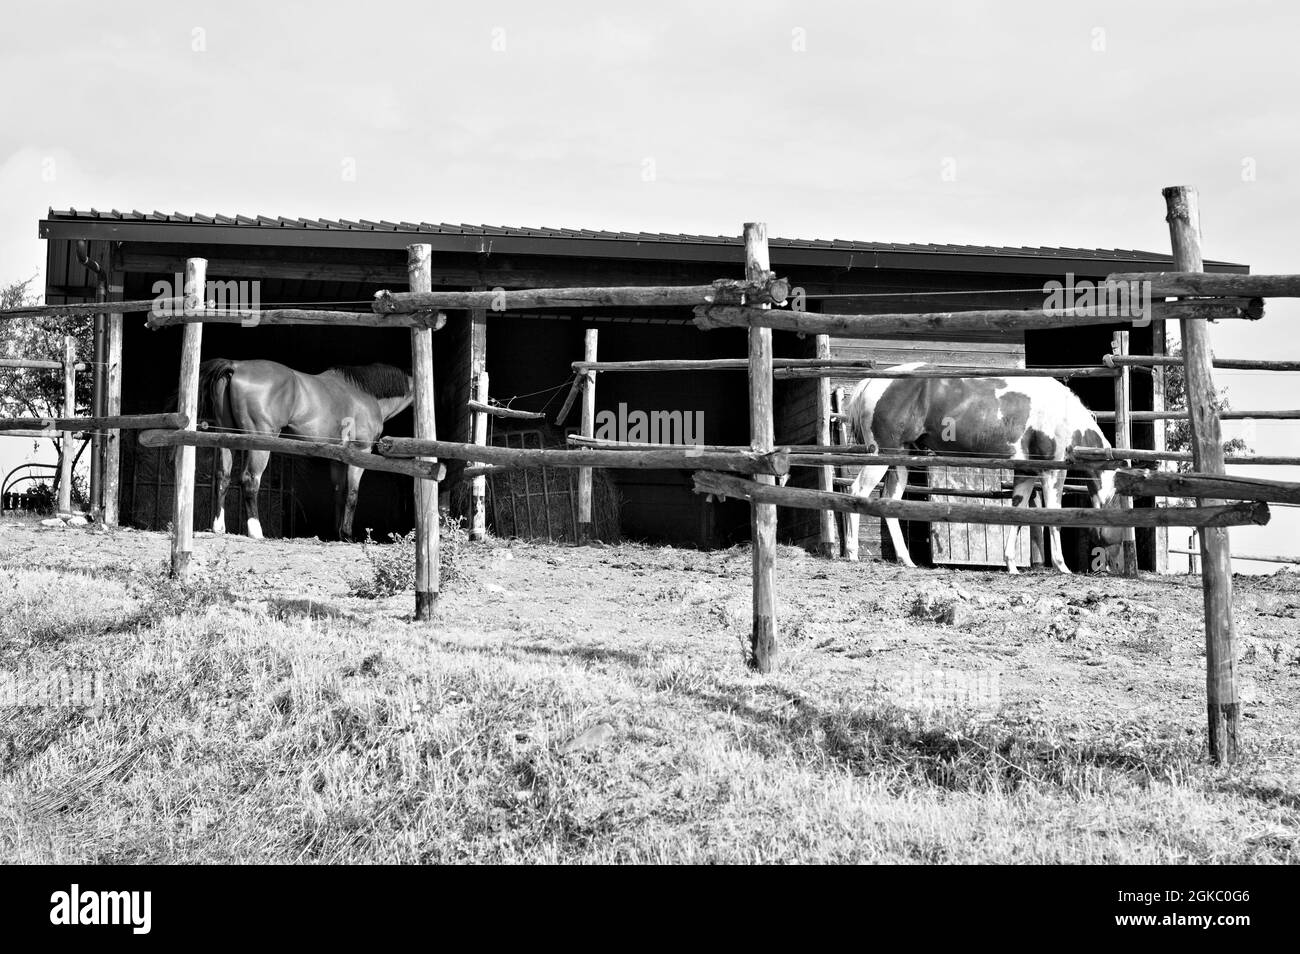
<point>350,507</point>
<point>1036,533</point>
<point>895,484</point>
<point>225,463</point>
<point>252,483</point>
<point>338,480</point>
<point>1053,488</point>
<point>862,486</point>
<point>1021,495</point>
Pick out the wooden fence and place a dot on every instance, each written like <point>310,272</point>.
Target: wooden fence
<point>755,303</point>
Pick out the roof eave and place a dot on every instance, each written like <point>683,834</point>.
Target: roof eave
<point>584,247</point>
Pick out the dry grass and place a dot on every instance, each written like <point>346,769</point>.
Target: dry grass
<point>240,730</point>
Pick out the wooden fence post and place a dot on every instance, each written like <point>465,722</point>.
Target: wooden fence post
<point>419,268</point>
<point>187,403</point>
<point>478,486</point>
<point>1222,705</point>
<point>590,341</point>
<point>1124,438</point>
<point>762,433</point>
<point>69,410</point>
<point>829,539</point>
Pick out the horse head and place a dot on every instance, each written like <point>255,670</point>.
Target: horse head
<point>1105,498</point>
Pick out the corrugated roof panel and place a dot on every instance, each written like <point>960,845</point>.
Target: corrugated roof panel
<point>263,221</point>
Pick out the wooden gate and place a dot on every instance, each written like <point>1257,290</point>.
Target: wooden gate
<point>969,544</point>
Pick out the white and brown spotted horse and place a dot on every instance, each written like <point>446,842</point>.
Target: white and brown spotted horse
<point>1020,418</point>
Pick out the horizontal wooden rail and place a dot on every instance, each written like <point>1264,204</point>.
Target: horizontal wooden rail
<point>1233,515</point>
<point>37,364</point>
<point>1005,492</point>
<point>721,364</point>
<point>773,290</point>
<point>679,458</point>
<point>854,455</point>
<point>496,410</point>
<point>922,490</point>
<point>1226,364</point>
<point>425,470</point>
<point>117,422</point>
<point>833,371</point>
<point>1283,415</point>
<point>870,326</point>
<point>1148,483</point>
<point>90,308</point>
<point>1214,284</point>
<point>1242,556</point>
<point>43,435</point>
<point>1123,454</point>
<point>846,458</point>
<point>298,316</point>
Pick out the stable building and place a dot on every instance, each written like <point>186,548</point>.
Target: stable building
<point>339,264</point>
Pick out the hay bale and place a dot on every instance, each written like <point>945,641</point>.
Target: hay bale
<point>541,503</point>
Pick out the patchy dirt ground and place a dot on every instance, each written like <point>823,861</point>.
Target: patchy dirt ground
<point>1041,679</point>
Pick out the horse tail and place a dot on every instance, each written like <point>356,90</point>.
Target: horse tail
<point>214,383</point>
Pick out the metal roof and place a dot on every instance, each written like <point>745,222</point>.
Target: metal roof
<point>343,233</point>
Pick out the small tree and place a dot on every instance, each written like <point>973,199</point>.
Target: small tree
<point>1178,434</point>
<point>26,392</point>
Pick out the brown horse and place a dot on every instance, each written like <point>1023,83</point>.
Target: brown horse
<point>348,405</point>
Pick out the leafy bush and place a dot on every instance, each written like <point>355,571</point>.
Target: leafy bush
<point>392,565</point>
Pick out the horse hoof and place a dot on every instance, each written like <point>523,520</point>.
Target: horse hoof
<point>254,528</point>
<point>1011,568</point>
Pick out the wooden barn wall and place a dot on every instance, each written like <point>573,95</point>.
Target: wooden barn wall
<point>67,281</point>
<point>531,358</point>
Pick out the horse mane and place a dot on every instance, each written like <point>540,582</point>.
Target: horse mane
<point>377,380</point>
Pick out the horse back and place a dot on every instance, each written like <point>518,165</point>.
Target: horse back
<point>1029,417</point>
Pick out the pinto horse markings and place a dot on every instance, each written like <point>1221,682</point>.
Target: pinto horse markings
<point>348,404</point>
<point>1020,418</point>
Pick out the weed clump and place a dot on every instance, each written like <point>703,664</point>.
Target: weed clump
<point>392,565</point>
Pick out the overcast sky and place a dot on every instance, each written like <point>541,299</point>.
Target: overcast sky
<point>1013,123</point>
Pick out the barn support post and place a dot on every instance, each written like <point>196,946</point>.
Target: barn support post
<point>479,422</point>
<point>97,401</point>
<point>69,410</point>
<point>762,432</point>
<point>1124,438</point>
<point>113,401</point>
<point>1222,705</point>
<point>829,539</point>
<point>478,484</point>
<point>187,403</point>
<point>850,524</point>
<point>591,340</point>
<point>420,279</point>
